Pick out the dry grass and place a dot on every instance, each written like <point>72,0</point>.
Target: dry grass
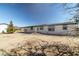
<point>37,44</point>
<point>43,48</point>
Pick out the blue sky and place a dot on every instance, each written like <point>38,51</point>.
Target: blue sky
<point>32,14</point>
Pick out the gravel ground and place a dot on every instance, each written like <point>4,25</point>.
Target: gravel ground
<point>8,41</point>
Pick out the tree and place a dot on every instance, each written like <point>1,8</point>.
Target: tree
<point>73,9</point>
<point>10,28</point>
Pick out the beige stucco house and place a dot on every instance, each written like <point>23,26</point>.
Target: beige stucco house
<point>66,28</point>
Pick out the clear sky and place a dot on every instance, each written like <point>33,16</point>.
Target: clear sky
<point>32,14</point>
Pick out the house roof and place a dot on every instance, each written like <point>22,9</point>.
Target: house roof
<point>65,23</point>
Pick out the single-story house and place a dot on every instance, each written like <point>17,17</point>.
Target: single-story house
<point>66,28</point>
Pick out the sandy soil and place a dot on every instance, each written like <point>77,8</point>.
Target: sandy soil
<point>8,41</point>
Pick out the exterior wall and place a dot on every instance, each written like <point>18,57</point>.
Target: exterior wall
<point>27,30</point>
<point>35,29</point>
<point>22,29</point>
<point>58,30</point>
<point>45,29</point>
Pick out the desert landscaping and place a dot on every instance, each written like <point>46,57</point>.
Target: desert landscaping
<point>11,41</point>
<point>8,41</point>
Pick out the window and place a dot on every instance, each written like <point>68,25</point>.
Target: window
<point>25,30</point>
<point>41,28</point>
<point>64,27</point>
<point>31,27</point>
<point>51,29</point>
<point>37,28</point>
<point>77,29</point>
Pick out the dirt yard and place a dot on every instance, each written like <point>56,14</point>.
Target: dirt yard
<point>8,41</point>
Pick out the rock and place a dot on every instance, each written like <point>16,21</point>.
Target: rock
<point>51,51</point>
<point>39,53</point>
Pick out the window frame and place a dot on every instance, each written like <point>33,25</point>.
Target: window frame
<point>31,28</point>
<point>41,28</point>
<point>65,27</point>
<point>51,28</point>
